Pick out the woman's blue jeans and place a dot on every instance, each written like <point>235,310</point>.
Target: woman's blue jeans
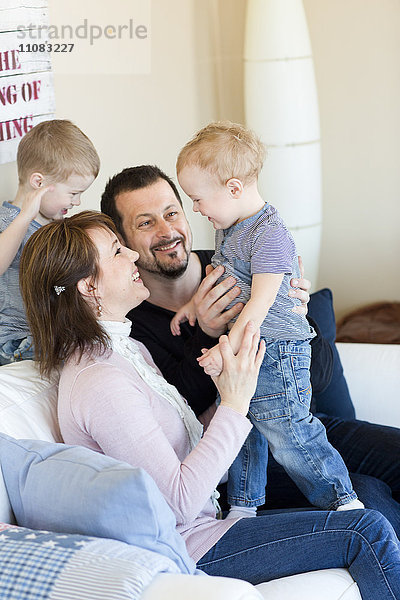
<point>372,455</point>
<point>267,547</point>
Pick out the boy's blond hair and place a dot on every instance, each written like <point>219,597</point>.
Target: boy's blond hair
<point>57,149</point>
<point>226,150</point>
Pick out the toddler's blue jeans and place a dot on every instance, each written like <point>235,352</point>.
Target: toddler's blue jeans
<point>280,413</point>
<point>16,350</point>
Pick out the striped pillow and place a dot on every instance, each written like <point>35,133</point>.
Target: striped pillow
<point>54,566</point>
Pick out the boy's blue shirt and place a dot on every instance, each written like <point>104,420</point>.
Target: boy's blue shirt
<point>262,244</point>
<point>13,325</point>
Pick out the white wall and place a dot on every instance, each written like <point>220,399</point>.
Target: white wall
<point>356,47</point>
<point>197,75</point>
<point>140,119</point>
<point>153,114</point>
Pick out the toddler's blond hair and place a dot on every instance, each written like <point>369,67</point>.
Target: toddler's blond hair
<point>57,149</point>
<point>226,150</point>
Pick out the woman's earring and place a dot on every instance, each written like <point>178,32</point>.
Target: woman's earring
<point>98,305</point>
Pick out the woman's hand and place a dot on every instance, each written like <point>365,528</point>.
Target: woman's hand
<point>238,379</point>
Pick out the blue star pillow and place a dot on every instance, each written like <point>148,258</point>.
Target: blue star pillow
<point>45,565</point>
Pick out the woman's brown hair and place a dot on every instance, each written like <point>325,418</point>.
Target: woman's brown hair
<point>55,258</point>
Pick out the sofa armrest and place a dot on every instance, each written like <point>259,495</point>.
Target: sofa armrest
<point>372,373</point>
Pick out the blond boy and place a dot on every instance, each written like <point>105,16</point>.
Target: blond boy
<point>218,169</point>
<point>56,163</point>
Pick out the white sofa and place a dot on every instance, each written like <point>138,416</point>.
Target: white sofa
<point>28,410</point>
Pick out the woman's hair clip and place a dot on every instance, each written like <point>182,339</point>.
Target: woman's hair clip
<point>58,289</point>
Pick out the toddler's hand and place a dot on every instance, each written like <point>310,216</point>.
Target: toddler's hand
<point>31,204</point>
<point>186,313</point>
<point>238,380</point>
<point>211,361</point>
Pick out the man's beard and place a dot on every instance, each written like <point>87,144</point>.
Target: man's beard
<point>169,270</point>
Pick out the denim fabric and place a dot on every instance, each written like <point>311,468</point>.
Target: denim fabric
<point>367,448</point>
<point>271,546</point>
<point>334,399</point>
<point>16,350</point>
<point>280,410</point>
<point>284,494</point>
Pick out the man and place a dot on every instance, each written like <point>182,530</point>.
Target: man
<point>151,220</point>
<point>146,208</point>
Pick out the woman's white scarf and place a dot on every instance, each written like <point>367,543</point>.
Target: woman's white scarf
<point>126,347</point>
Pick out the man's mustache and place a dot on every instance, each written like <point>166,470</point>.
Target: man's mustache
<point>167,243</point>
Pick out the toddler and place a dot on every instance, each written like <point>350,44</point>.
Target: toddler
<point>218,169</point>
<point>56,163</point>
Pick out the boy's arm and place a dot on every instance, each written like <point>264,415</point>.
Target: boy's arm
<point>11,238</point>
<point>264,288</point>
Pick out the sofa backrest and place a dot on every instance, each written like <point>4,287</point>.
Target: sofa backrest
<point>28,410</point>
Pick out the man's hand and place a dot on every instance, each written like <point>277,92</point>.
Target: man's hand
<point>301,291</point>
<point>210,302</point>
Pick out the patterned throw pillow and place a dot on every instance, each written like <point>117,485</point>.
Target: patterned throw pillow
<point>39,565</point>
<point>71,489</point>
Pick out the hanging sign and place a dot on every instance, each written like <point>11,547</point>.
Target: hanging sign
<point>26,79</point>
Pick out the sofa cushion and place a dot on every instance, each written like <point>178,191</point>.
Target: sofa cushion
<point>335,398</point>
<point>76,490</point>
<point>28,403</point>
<point>327,584</point>
<point>168,586</point>
<point>44,565</point>
<point>373,375</point>
<point>28,409</point>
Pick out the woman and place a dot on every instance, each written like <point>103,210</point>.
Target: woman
<point>78,282</point>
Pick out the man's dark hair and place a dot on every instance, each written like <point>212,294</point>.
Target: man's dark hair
<point>129,180</point>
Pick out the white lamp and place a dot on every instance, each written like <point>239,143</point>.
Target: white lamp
<point>281,106</point>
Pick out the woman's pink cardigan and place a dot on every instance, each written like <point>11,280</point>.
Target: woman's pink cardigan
<point>103,404</point>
